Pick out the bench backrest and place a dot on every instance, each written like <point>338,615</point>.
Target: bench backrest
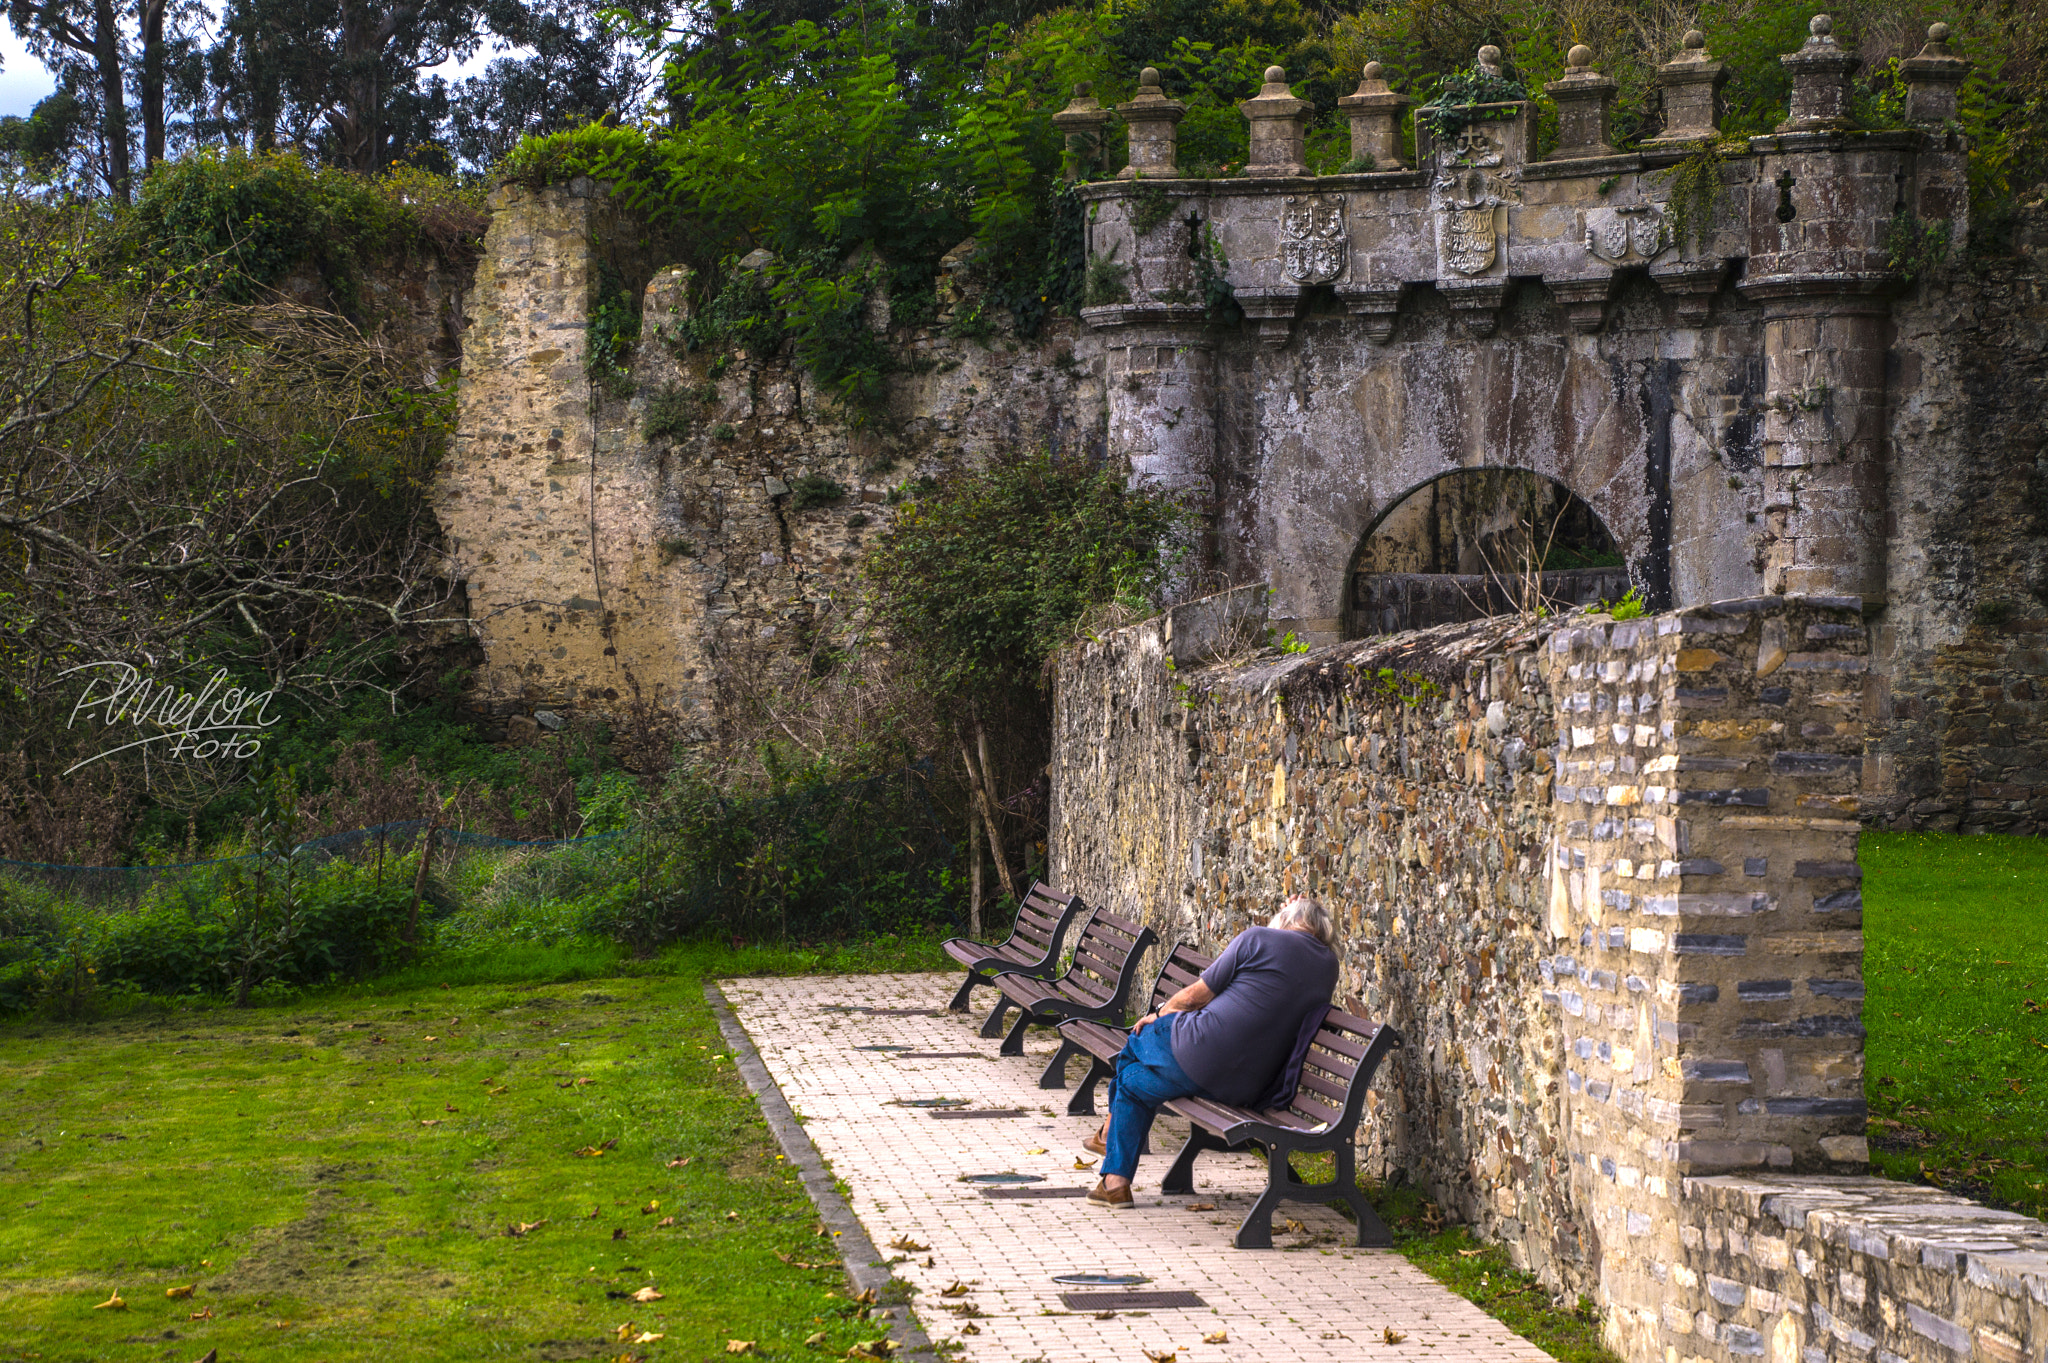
<point>1102,957</point>
<point>1039,918</point>
<point>1346,1047</point>
<point>1184,965</point>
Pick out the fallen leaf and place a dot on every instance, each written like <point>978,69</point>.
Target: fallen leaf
<point>207,1314</point>
<point>651,1208</point>
<point>113,1303</point>
<point>732,1216</point>
<point>523,1227</point>
<point>873,1348</point>
<point>498,1090</point>
<point>1035,1150</point>
<point>180,1293</point>
<point>609,1144</point>
<point>970,1329</point>
<point>815,1340</point>
<point>679,1163</point>
<point>581,1082</point>
<point>430,1121</point>
<point>1167,1357</point>
<point>623,1330</point>
<point>429,1038</point>
<point>908,1245</point>
<point>1468,1253</point>
<point>958,1289</point>
<point>1391,1335</point>
<point>1293,1227</point>
<point>665,1221</point>
<point>647,1294</point>
<point>1220,1337</point>
<point>618,1232</point>
<point>590,1151</point>
<point>647,1337</point>
<point>450,1107</point>
<point>1084,1164</point>
<point>592,1216</point>
<point>739,1346</point>
<point>1201,1206</point>
<point>867,1297</point>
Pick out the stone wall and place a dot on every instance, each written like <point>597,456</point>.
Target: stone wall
<point>1812,1270</point>
<point>606,567</point>
<point>1600,874</point>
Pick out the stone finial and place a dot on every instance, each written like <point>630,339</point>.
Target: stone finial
<point>1820,81</point>
<point>1151,117</point>
<point>1691,83</point>
<point>1082,121</point>
<point>1279,128</point>
<point>1375,113</point>
<point>1583,98</point>
<point>1934,79</point>
<point>1489,61</point>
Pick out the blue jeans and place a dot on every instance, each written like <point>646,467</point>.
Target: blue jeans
<point>1146,1076</point>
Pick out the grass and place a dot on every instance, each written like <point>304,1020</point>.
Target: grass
<point>1956,968</point>
<point>334,1178</point>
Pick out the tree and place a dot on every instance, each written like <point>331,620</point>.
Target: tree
<point>579,67</point>
<point>85,35</point>
<point>986,573</point>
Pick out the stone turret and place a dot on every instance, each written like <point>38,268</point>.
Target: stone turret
<point>1375,114</point>
<point>1152,119</point>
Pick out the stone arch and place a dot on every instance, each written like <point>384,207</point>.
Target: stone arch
<point>1474,541</point>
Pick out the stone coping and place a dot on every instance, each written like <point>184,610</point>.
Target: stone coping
<point>1904,1223</point>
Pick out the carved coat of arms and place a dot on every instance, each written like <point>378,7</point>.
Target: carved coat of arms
<point>1634,233</point>
<point>1313,246</point>
<point>1469,205</point>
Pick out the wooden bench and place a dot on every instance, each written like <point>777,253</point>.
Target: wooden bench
<point>1097,985</point>
<point>1102,1041</point>
<point>1323,1116</point>
<point>1032,948</point>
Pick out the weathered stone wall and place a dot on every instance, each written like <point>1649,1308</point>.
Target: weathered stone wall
<point>1804,1270</point>
<point>1600,875</point>
<point>607,567</point>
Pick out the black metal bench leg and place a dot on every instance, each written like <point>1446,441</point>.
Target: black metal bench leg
<point>1013,1043</point>
<point>1257,1230</point>
<point>993,1027</point>
<point>1181,1177</point>
<point>1055,1076</point>
<point>1082,1104</point>
<point>1372,1232</point>
<point>961,999</point>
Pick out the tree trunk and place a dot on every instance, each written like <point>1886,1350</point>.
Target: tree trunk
<point>979,783</point>
<point>152,92</point>
<point>106,57</point>
<point>974,875</point>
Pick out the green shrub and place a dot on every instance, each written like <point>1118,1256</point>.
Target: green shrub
<point>814,489</point>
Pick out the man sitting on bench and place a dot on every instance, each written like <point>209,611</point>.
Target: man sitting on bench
<point>1237,1035</point>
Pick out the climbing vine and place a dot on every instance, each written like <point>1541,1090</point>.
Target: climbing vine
<point>1462,99</point>
<point>1695,190</point>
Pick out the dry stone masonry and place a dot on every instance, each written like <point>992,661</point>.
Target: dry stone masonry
<point>1601,874</point>
<point>1744,386</point>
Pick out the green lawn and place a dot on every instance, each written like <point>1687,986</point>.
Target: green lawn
<point>335,1180</point>
<point>1956,966</point>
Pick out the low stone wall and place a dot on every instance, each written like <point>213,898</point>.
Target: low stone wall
<point>1601,875</point>
<point>1808,1270</point>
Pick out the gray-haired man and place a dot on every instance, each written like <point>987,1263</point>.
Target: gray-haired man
<point>1236,1035</point>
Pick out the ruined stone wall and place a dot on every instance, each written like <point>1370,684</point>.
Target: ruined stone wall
<point>607,566</point>
<point>1600,875</point>
<point>1959,703</point>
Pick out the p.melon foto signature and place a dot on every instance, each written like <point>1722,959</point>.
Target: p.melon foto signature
<point>218,721</point>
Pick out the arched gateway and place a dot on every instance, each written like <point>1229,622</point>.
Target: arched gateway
<point>1711,384</point>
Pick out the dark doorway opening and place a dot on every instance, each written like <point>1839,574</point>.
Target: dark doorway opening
<point>1476,543</point>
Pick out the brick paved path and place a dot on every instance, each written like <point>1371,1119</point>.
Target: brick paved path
<point>1312,1297</point>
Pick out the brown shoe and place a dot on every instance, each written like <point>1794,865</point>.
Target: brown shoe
<point>1094,1146</point>
<point>1116,1199</point>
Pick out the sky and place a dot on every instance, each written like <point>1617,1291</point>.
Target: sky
<point>23,80</point>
